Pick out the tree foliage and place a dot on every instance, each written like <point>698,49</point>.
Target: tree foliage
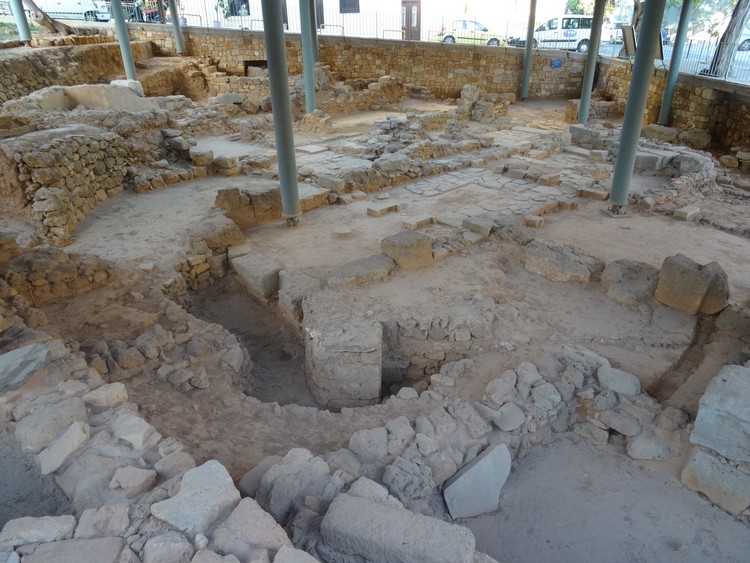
<point>726,48</point>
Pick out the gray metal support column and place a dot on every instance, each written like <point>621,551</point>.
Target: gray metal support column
<point>527,52</point>
<point>273,31</point>
<point>179,44</point>
<point>123,39</point>
<point>314,28</point>
<point>588,76</point>
<point>24,33</point>
<point>643,69</point>
<point>674,63</point>
<point>308,58</point>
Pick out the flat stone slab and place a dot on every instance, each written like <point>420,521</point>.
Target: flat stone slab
<point>378,210</point>
<point>724,484</point>
<point>101,550</point>
<point>475,489</point>
<point>19,365</point>
<point>312,149</point>
<point>22,531</point>
<point>206,492</point>
<point>418,222</point>
<point>258,273</point>
<point>687,213</point>
<point>40,428</point>
<point>236,537</point>
<point>362,270</point>
<point>559,262</point>
<point>380,532</point>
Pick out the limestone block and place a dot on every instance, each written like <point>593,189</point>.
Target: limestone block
<point>19,365</point>
<point>247,529</point>
<point>133,85</point>
<point>687,213</point>
<point>560,263</point>
<point>475,489</point>
<point>134,430</point>
<point>208,556</point>
<point>400,434</point>
<point>378,210</point>
<point>533,221</point>
<point>649,445</point>
<point>510,417</point>
<point>173,464</point>
<point>402,535</point>
<point>288,554</point>
<point>409,249</point>
<point>465,413</point>
<point>108,520</point>
<point>171,547</point>
<point>58,452</point>
<point>101,550</point>
<point>502,388</point>
<point>546,396</point>
<point>370,445</point>
<point>408,478</point>
<point>622,423</point>
<point>685,284</point>
<point>250,482</point>
<point>361,270</point>
<point>618,381</point>
<point>294,285</point>
<point>479,225</point>
<point>344,363</point>
<point>630,282</point>
<point>416,223</point>
<point>108,395</point>
<point>206,493</point>
<point>723,420</point>
<point>724,484</point>
<point>224,163</point>
<point>21,531</point>
<point>583,360</point>
<point>660,132</point>
<point>40,428</point>
<point>133,480</point>
<point>258,273</point>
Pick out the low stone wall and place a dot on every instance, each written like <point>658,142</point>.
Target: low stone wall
<point>63,66</point>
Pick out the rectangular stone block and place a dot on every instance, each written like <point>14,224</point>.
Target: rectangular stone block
<point>687,213</point>
<point>533,221</point>
<point>409,249</point>
<point>593,193</point>
<point>258,273</point>
<point>416,223</point>
<point>378,210</point>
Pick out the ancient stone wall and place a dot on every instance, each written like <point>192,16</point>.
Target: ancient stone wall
<point>63,66</point>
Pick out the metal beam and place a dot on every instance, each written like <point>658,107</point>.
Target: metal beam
<point>273,31</point>
<point>643,69</point>
<point>123,39</point>
<point>528,53</point>
<point>588,75</point>
<point>314,27</point>
<point>24,33</point>
<point>179,44</point>
<point>674,63</point>
<point>308,57</point>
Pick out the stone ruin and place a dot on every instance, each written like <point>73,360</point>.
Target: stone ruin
<point>421,454</point>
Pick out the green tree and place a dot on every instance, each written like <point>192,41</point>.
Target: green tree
<point>725,50</point>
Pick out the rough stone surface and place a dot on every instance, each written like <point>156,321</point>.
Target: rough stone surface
<point>133,480</point>
<point>101,550</point>
<point>409,249</point>
<point>724,484</point>
<point>408,478</point>
<point>509,417</point>
<point>370,444</point>
<point>618,381</point>
<point>171,547</point>
<point>723,421</point>
<point>475,489</point>
<point>559,262</point>
<point>258,273</point>
<point>107,395</point>
<point>247,529</point>
<point>648,445</point>
<point>361,271</point>
<point>630,282</point>
<point>36,530</point>
<point>108,520</point>
<point>206,492</point>
<point>58,452</point>
<point>685,285</point>
<point>18,365</point>
<point>38,429</point>
<point>288,554</point>
<point>503,388</point>
<point>250,482</point>
<point>377,532</point>
<point>135,431</point>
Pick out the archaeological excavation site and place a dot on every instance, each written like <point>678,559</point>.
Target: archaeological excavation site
<point>369,300</point>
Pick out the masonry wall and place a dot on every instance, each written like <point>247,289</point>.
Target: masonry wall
<point>35,69</point>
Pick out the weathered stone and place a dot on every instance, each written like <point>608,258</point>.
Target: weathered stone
<point>503,388</point>
<point>684,285</point>
<point>687,213</point>
<point>475,489</point>
<point>171,547</point>
<point>402,535</point>
<point>17,366</point>
<point>630,282</point>
<point>546,396</point>
<point>463,412</point>
<point>622,423</point>
<point>36,530</point>
<point>258,273</point>
<point>294,285</point>
<point>247,529</point>
<point>288,554</point>
<point>717,296</point>
<point>618,381</point>
<point>134,430</point>
<point>173,464</point>
<point>400,434</point>
<point>723,421</point>
<point>509,417</point>
<point>592,433</point>
<point>40,428</point>
<point>108,520</point>
<point>101,550</point>
<point>408,478</point>
<point>208,556</point>
<point>132,480</point>
<point>409,249</point>
<point>206,492</point>
<point>660,132</point>
<point>649,445</point>
<point>724,484</point>
<point>129,358</point>
<point>58,452</point>
<point>560,263</point>
<point>108,395</point>
<point>250,482</point>
<point>672,419</point>
<point>584,361</point>
<point>370,445</point>
<point>528,374</point>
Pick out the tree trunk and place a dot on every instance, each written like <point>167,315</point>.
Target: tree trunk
<point>51,25</point>
<point>727,46</point>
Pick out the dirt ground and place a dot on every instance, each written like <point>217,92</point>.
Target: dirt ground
<point>624,511</point>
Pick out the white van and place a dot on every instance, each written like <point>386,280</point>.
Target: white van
<point>570,31</point>
<point>89,10</point>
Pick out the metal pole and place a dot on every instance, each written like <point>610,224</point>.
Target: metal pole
<point>643,68</point>
<point>308,59</point>
<point>24,33</point>
<point>123,39</point>
<point>314,27</point>
<point>178,42</point>
<point>273,31</point>
<point>674,63</point>
<point>588,76</point>
<point>527,52</point>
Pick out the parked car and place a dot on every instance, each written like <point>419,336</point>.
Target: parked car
<point>89,10</point>
<point>471,32</point>
<point>744,43</point>
<point>570,31</point>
